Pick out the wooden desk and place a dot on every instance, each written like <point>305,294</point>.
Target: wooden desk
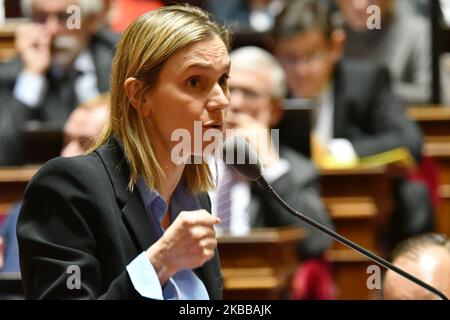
<point>439,150</point>
<point>261,264</point>
<point>13,181</point>
<point>360,203</point>
<point>435,124</point>
<point>363,183</point>
<point>433,120</point>
<point>7,40</point>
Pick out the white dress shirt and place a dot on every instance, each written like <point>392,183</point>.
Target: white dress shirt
<point>30,88</point>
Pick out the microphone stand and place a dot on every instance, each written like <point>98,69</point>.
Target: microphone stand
<point>347,242</point>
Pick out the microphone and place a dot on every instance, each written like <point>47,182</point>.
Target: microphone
<point>238,153</point>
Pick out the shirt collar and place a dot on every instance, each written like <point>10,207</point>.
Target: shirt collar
<point>154,203</point>
<point>182,200</point>
<point>84,63</point>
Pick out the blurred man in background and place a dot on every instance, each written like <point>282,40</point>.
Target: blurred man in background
<point>257,88</point>
<point>427,257</point>
<point>401,42</point>
<point>83,126</point>
<point>64,59</point>
<point>357,114</point>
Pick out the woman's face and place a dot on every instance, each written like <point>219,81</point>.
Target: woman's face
<point>191,92</point>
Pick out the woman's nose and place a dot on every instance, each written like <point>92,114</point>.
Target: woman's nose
<point>219,98</point>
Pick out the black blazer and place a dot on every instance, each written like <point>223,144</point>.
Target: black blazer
<point>79,211</point>
<point>57,103</point>
<point>368,114</point>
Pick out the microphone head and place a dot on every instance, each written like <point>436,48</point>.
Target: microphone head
<point>238,153</point>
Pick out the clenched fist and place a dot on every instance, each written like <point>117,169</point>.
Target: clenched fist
<point>188,243</point>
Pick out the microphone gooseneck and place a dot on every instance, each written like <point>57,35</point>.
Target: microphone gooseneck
<point>244,159</point>
<point>349,243</point>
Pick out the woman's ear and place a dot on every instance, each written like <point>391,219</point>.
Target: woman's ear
<point>138,100</point>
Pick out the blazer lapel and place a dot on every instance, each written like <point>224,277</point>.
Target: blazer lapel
<point>138,221</point>
<point>136,217</point>
<point>130,202</point>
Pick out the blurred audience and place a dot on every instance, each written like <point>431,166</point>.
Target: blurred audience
<point>123,12</point>
<point>80,131</point>
<point>248,15</point>
<point>418,7</point>
<point>257,87</point>
<point>64,60</point>
<point>357,114</point>
<point>427,257</point>
<point>402,42</point>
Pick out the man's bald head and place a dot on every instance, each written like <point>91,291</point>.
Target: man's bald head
<point>427,257</point>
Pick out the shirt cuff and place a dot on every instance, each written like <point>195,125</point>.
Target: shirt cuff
<point>144,277</point>
<point>30,89</point>
<point>342,151</point>
<point>276,170</point>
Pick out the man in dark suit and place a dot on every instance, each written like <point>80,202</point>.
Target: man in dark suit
<point>257,86</point>
<point>357,114</point>
<point>64,60</point>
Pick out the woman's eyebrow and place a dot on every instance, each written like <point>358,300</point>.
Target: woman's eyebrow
<point>202,65</point>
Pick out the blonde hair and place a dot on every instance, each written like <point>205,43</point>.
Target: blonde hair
<point>142,51</point>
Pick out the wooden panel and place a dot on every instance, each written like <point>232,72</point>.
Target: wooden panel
<point>369,183</point>
<point>440,152</point>
<point>354,218</point>
<point>7,39</point>
<point>350,272</point>
<point>13,181</point>
<point>433,120</point>
<point>259,265</point>
<point>435,123</point>
<point>360,203</point>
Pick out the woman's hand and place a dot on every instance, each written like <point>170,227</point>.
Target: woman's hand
<point>188,243</point>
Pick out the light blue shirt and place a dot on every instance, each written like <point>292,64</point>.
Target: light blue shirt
<point>184,285</point>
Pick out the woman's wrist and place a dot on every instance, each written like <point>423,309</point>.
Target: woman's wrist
<point>156,257</point>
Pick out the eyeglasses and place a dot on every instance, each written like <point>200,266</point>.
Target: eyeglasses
<point>42,17</point>
<point>247,94</point>
<point>291,61</point>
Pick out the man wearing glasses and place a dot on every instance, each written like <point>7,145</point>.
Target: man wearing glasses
<point>64,59</point>
<point>357,114</point>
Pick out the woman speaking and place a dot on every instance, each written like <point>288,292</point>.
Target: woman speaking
<point>126,221</point>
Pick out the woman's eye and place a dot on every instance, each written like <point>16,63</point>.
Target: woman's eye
<point>194,82</point>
